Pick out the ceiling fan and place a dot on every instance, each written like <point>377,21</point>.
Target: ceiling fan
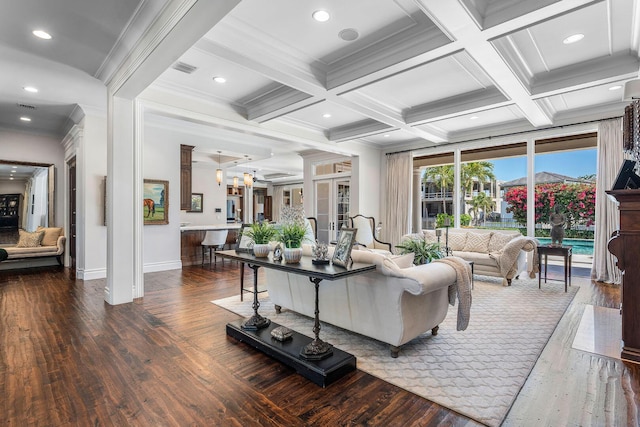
<point>262,181</point>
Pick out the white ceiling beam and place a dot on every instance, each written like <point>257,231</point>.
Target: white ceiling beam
<point>454,20</point>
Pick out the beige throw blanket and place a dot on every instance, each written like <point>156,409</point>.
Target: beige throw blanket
<point>507,260</point>
<point>462,288</point>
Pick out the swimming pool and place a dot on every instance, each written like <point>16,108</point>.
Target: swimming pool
<point>580,246</point>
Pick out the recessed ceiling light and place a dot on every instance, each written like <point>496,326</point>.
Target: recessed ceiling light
<point>474,118</point>
<point>321,15</point>
<point>573,38</point>
<point>219,79</point>
<point>42,34</point>
<point>616,87</point>
<point>386,135</point>
<point>25,119</point>
<point>326,115</point>
<point>11,179</point>
<point>30,89</point>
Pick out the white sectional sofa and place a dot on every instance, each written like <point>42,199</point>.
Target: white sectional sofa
<point>393,304</point>
<point>497,253</point>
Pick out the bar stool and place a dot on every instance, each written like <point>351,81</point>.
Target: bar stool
<point>214,240</point>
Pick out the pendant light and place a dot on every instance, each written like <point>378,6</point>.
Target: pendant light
<point>235,180</point>
<point>219,171</point>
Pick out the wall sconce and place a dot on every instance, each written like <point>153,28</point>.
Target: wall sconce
<point>219,171</point>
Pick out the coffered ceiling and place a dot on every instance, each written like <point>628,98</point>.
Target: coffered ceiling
<point>389,74</point>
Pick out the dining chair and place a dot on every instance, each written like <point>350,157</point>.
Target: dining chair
<point>213,240</point>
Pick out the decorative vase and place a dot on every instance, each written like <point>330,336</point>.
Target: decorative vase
<point>292,255</point>
<point>261,250</point>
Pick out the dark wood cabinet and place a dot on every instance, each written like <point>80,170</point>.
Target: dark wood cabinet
<point>185,176</point>
<point>625,246</point>
<point>10,205</point>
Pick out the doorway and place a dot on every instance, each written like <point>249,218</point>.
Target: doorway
<point>332,206</point>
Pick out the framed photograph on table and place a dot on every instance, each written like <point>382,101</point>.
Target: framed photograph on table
<point>342,252</point>
<point>244,242</point>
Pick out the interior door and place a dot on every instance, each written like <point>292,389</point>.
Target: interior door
<point>72,214</point>
<point>332,207</point>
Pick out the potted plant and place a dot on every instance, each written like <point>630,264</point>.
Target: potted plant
<point>423,252</point>
<point>261,233</point>
<point>292,235</point>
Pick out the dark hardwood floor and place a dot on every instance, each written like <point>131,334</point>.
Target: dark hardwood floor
<point>68,358</point>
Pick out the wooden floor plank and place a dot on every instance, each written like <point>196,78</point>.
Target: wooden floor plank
<point>68,358</point>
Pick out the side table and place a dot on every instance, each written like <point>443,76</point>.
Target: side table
<point>564,251</point>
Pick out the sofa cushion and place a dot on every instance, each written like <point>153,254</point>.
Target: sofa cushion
<point>499,241</point>
<point>477,257</point>
<point>477,242</point>
<point>51,235</point>
<point>29,240</point>
<point>457,241</point>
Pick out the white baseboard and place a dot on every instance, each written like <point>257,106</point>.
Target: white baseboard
<point>162,266</point>
<point>96,273</point>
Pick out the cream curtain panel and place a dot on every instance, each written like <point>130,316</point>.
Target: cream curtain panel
<point>610,156</point>
<point>397,208</point>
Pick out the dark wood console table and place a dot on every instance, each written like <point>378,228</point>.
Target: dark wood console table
<point>315,359</point>
<point>625,246</point>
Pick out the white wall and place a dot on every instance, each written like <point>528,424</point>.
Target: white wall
<point>161,161</point>
<point>91,168</point>
<point>12,187</point>
<point>214,196</point>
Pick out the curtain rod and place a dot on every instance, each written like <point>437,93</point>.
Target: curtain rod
<point>503,135</point>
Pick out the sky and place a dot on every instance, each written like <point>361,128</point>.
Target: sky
<point>572,163</point>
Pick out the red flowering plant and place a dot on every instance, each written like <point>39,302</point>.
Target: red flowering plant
<point>578,202</point>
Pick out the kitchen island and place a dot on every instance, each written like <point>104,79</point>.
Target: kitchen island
<point>192,235</point>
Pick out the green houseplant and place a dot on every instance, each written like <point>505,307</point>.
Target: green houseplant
<point>261,233</point>
<point>423,252</point>
<point>292,235</point>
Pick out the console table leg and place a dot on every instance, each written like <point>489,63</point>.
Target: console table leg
<point>316,349</point>
<point>256,321</point>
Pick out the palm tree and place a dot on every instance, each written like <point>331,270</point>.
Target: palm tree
<point>475,171</point>
<point>483,203</point>
<point>442,175</point>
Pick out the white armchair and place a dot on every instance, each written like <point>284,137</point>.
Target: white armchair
<point>365,235</point>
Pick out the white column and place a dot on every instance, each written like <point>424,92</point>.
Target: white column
<point>417,202</point>
<point>457,191</point>
<point>124,221</point>
<point>531,190</point>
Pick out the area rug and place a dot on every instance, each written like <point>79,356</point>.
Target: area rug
<point>477,372</point>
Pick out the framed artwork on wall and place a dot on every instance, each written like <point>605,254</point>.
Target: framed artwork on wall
<point>196,202</point>
<point>156,202</point>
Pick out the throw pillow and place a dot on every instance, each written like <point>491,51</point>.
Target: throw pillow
<point>29,240</point>
<point>430,236</point>
<point>457,241</point>
<point>477,242</point>
<point>393,263</point>
<point>51,235</point>
<point>499,241</point>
